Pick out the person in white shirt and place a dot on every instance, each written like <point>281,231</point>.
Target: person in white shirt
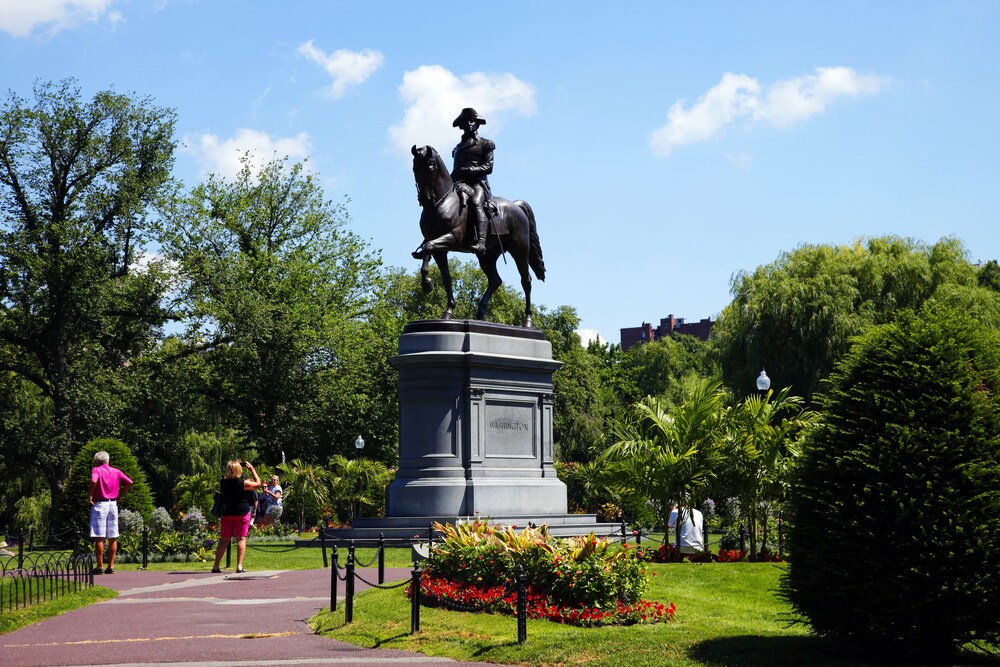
<point>692,530</point>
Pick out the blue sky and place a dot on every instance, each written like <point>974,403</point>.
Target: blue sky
<point>664,146</point>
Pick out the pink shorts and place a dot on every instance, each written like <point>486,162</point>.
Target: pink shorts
<point>235,526</point>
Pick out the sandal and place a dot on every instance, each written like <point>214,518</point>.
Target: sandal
<point>216,570</point>
<point>240,571</point>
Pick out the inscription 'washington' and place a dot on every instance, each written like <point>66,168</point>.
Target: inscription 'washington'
<point>502,425</point>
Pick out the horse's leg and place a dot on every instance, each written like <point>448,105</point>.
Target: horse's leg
<point>425,278</point>
<point>488,263</point>
<point>521,260</point>
<point>441,257</point>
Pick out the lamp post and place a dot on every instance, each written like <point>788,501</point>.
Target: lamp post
<point>763,382</point>
<point>359,444</point>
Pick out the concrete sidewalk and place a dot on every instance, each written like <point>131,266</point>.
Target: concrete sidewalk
<point>198,618</point>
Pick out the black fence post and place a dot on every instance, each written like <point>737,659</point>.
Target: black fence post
<point>522,606</point>
<point>335,567</point>
<point>349,608</point>
<point>381,558</point>
<point>624,536</point>
<point>743,538</point>
<point>31,539</point>
<point>704,536</point>
<point>415,598</point>
<point>322,543</point>
<point>145,547</point>
<point>430,538</point>
<point>20,552</point>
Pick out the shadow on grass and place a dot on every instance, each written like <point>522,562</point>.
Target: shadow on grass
<point>751,650</point>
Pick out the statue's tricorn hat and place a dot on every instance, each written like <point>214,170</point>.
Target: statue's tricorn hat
<point>468,113</point>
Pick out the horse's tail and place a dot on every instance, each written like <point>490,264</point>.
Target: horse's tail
<point>535,252</point>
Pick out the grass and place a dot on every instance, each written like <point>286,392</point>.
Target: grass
<point>727,614</point>
<point>12,620</point>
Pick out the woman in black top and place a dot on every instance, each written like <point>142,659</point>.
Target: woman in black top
<point>235,521</point>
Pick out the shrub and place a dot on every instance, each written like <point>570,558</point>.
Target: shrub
<point>580,580</point>
<point>193,522</point>
<point>160,521</point>
<point>129,522</point>
<point>896,507</point>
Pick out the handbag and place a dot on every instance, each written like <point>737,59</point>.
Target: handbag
<point>218,507</point>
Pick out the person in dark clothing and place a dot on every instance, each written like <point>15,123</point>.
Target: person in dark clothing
<point>235,521</point>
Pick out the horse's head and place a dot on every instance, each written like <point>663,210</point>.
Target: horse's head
<point>430,173</point>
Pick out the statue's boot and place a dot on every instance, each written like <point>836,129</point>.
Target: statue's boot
<point>477,216</point>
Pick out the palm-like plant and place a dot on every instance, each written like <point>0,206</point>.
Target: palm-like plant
<point>359,483</point>
<point>196,491</point>
<point>308,485</point>
<point>669,457</point>
<point>764,432</point>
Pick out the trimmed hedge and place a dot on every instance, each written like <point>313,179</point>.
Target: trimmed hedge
<point>895,542</point>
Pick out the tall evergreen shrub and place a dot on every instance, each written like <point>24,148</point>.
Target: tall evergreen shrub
<point>895,543</point>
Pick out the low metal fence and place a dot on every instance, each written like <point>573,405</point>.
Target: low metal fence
<point>37,576</point>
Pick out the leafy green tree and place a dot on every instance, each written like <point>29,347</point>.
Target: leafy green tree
<point>78,184</point>
<point>669,457</point>
<point>278,290</point>
<point>764,431</point>
<point>896,501</point>
<point>796,316</point>
<point>74,513</point>
<point>989,275</point>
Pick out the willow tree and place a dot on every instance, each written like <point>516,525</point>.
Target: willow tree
<point>796,316</point>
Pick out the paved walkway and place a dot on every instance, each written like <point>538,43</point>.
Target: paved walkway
<point>187,618</point>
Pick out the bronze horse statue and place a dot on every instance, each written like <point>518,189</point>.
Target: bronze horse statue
<point>443,222</point>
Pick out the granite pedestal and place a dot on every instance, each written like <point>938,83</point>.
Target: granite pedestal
<point>475,431</point>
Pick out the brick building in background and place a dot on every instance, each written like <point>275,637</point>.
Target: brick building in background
<point>668,325</point>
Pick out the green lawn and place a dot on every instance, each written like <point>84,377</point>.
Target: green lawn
<point>727,614</point>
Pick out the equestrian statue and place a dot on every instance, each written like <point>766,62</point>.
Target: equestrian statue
<point>460,214</point>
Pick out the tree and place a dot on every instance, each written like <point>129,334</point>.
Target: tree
<point>796,316</point>
<point>357,483</point>
<point>896,501</point>
<point>278,291</point>
<point>763,443</point>
<point>307,488</point>
<point>78,184</point>
<point>669,457</point>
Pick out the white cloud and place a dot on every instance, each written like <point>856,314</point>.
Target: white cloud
<point>20,18</point>
<point>222,156</point>
<point>796,99</point>
<point>346,68</point>
<point>780,104</point>
<point>587,335</point>
<point>434,97</point>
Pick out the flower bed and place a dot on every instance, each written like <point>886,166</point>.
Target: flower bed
<point>667,554</point>
<point>580,581</point>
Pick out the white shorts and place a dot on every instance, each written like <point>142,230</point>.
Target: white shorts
<point>104,519</point>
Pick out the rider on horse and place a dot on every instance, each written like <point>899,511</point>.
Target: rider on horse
<point>473,163</point>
